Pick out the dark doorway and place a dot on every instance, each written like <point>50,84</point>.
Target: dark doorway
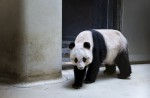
<point>79,15</point>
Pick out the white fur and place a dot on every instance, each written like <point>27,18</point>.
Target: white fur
<point>85,36</point>
<point>115,42</point>
<point>80,53</point>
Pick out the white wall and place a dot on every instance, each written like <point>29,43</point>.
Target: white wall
<point>136,22</point>
<point>30,39</point>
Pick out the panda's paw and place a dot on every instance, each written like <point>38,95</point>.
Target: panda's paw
<point>88,81</point>
<point>109,72</point>
<point>123,76</point>
<point>76,85</point>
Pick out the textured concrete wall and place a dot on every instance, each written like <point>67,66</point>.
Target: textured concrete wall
<point>30,39</point>
<point>136,28</point>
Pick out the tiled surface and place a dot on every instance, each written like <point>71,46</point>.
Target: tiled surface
<point>138,86</point>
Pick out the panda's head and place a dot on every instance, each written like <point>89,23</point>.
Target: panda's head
<point>81,54</point>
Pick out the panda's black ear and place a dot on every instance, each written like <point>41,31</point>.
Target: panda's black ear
<point>71,45</point>
<point>87,45</point>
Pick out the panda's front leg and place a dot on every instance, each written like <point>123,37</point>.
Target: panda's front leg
<point>92,73</point>
<point>79,77</point>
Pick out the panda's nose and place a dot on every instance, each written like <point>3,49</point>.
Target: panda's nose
<point>80,68</point>
<point>80,65</point>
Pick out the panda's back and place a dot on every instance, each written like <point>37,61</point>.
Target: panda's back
<point>113,38</point>
<point>115,43</point>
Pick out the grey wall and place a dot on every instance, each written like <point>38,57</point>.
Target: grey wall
<point>136,22</point>
<point>30,39</point>
<point>11,43</point>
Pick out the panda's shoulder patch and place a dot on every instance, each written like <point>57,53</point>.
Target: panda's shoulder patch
<point>99,49</point>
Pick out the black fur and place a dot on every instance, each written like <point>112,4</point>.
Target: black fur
<point>99,54</point>
<point>71,45</point>
<point>122,61</point>
<point>87,45</point>
<point>110,69</point>
<point>79,77</point>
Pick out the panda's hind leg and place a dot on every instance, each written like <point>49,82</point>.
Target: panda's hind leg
<point>122,61</point>
<point>110,69</point>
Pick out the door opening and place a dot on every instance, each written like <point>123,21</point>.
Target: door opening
<point>79,15</point>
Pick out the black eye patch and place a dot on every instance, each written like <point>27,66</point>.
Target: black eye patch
<point>75,60</point>
<point>84,59</point>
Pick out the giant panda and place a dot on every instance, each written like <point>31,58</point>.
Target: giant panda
<point>95,47</point>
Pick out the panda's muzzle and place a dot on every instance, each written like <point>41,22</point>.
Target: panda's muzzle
<point>80,68</point>
<point>80,65</point>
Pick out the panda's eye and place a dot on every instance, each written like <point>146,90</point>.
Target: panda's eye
<point>75,60</point>
<point>84,59</point>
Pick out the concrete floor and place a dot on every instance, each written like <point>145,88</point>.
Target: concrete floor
<point>138,86</point>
